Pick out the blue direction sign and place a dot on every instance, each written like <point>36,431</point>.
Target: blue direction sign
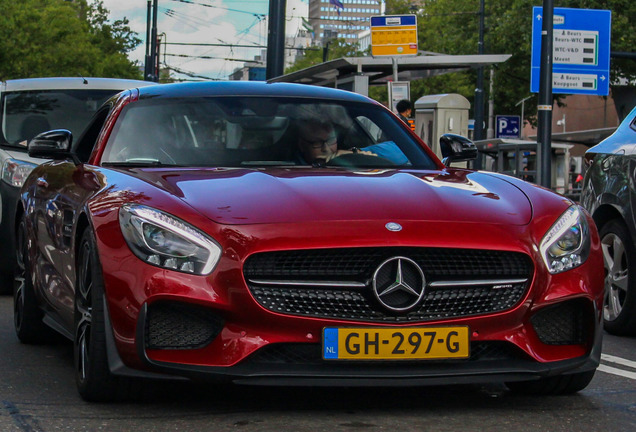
<point>508,126</point>
<point>580,51</point>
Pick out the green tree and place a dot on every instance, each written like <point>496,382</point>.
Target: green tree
<point>59,38</point>
<point>114,40</point>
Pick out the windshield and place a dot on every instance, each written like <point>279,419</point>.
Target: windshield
<point>261,131</point>
<point>28,113</point>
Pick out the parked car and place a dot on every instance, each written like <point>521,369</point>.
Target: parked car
<point>281,233</point>
<point>29,107</point>
<point>609,194</point>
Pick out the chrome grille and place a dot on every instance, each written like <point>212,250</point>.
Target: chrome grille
<point>336,283</point>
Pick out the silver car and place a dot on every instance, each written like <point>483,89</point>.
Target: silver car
<point>609,194</point>
<point>29,107</point>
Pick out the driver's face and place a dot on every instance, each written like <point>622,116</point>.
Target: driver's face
<point>317,141</point>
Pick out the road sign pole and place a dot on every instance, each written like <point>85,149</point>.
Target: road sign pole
<point>544,145</point>
<point>478,112</point>
<point>154,60</point>
<point>148,60</point>
<point>276,39</point>
<point>395,69</point>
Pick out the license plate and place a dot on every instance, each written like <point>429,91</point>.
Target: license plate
<point>384,343</point>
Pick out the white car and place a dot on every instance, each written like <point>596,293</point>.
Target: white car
<point>29,107</point>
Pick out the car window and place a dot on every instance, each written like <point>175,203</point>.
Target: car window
<point>28,113</point>
<point>259,131</point>
<point>84,145</point>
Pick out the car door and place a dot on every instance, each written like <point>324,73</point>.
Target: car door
<point>60,192</point>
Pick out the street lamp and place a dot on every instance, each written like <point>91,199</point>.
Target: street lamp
<point>562,122</point>
<point>523,103</point>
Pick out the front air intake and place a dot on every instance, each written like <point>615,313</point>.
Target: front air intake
<point>563,324</point>
<point>180,326</point>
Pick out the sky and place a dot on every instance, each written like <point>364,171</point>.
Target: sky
<point>231,22</point>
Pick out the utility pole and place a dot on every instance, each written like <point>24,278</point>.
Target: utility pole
<point>151,67</point>
<point>491,106</point>
<point>544,107</point>
<point>148,59</point>
<point>276,39</point>
<point>153,44</point>
<point>479,91</point>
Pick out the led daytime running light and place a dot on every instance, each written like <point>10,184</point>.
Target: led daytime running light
<point>558,250</point>
<point>176,226</point>
<point>569,218</point>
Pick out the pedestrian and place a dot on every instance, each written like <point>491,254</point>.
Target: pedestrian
<point>404,110</point>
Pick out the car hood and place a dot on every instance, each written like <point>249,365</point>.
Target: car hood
<point>255,196</point>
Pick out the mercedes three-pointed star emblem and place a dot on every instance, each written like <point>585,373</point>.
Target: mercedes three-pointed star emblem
<point>398,284</point>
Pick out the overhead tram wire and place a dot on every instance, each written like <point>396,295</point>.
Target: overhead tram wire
<point>186,19</point>
<point>206,57</point>
<point>220,7</point>
<point>258,17</point>
<point>190,74</point>
<point>237,45</point>
<point>264,15</point>
<point>190,21</point>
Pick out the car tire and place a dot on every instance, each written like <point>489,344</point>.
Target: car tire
<point>27,316</point>
<point>95,382</point>
<point>556,385</point>
<point>619,259</point>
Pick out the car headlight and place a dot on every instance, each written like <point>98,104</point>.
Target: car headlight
<point>165,241</point>
<point>567,244</point>
<point>15,172</point>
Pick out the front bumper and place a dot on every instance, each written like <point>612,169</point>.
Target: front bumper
<point>243,341</point>
<point>302,364</point>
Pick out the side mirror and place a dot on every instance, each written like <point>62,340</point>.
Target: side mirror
<point>456,148</point>
<point>55,144</point>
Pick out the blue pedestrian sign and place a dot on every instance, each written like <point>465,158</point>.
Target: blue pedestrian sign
<point>508,126</point>
<point>580,51</point>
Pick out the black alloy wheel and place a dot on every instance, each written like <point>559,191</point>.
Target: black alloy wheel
<point>27,316</point>
<point>93,377</point>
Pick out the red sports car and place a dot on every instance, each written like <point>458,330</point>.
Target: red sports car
<point>290,234</point>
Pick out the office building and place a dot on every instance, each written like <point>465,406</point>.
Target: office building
<point>342,19</point>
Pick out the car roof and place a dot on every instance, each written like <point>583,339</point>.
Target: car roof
<point>72,83</point>
<point>621,139</point>
<point>248,88</point>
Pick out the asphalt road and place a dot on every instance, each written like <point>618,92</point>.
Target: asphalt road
<point>37,393</point>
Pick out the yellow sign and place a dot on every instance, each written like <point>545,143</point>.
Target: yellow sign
<point>393,35</point>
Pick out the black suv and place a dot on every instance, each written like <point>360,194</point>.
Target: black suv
<point>609,193</point>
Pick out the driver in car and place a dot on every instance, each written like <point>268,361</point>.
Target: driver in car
<point>318,143</point>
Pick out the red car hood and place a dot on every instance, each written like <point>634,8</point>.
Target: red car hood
<point>252,196</point>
